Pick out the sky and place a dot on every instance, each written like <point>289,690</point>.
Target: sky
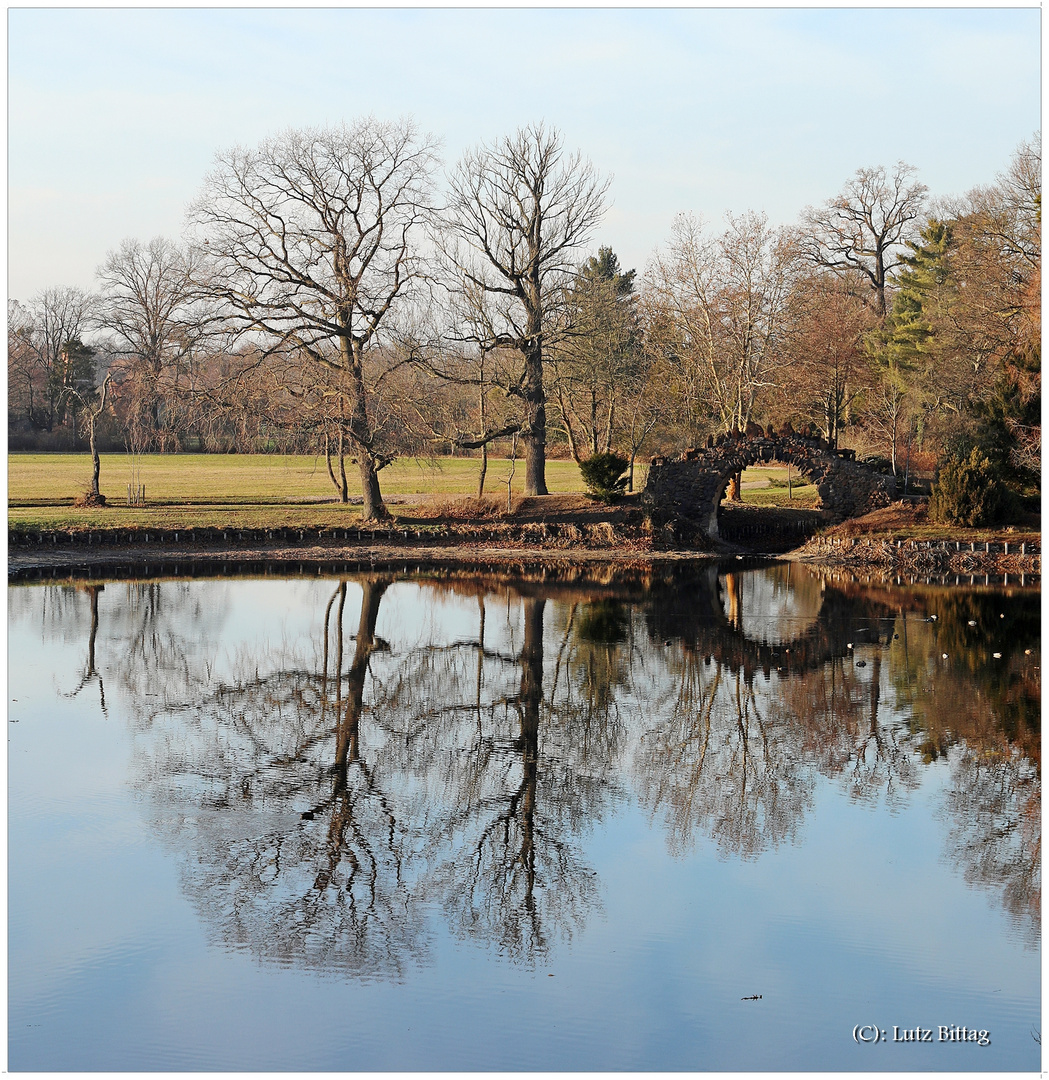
<point>115,115</point>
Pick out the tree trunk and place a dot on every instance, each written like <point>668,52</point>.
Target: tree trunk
<point>96,461</point>
<point>344,487</point>
<point>510,476</point>
<point>534,433</point>
<point>566,416</point>
<point>327,459</point>
<point>374,509</point>
<point>593,422</point>
<point>892,443</point>
<point>535,466</point>
<point>907,467</point>
<point>484,432</point>
<point>327,462</point>
<point>484,470</point>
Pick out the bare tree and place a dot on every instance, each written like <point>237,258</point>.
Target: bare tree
<point>519,210</point>
<point>92,404</point>
<point>720,305</point>
<point>311,244</point>
<point>154,312</point>
<point>41,368</point>
<point>993,330</point>
<point>826,347</point>
<point>861,231</point>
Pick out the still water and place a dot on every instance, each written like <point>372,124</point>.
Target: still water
<point>725,820</point>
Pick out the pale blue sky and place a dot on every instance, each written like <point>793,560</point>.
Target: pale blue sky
<point>115,115</point>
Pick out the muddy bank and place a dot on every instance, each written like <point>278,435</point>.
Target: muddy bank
<point>1020,555</point>
<point>236,555</point>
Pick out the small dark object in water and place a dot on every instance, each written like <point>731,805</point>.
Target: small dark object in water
<point>307,815</point>
<point>861,663</point>
<point>753,997</point>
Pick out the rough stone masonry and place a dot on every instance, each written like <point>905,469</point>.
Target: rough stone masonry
<point>684,493</point>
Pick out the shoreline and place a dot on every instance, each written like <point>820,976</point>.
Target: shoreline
<point>44,561</point>
<point>921,561</point>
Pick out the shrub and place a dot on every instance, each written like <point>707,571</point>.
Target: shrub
<point>968,491</point>
<point>604,476</point>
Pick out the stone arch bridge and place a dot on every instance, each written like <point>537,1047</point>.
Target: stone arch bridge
<point>685,492</point>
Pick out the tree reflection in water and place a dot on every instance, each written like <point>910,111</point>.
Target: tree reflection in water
<point>517,794</point>
<point>719,765</point>
<point>91,672</point>
<point>994,819</point>
<point>333,799</point>
<point>426,775</point>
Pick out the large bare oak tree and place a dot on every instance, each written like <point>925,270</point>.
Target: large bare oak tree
<point>520,209</point>
<point>311,244</point>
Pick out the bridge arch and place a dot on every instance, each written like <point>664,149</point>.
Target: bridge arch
<point>687,491</point>
<point>712,624</point>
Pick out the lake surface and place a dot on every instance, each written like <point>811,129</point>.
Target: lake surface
<point>729,819</point>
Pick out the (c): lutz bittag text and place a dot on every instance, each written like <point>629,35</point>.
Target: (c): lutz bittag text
<point>870,1033</point>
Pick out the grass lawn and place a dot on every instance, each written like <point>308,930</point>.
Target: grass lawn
<point>272,491</point>
<point>766,485</point>
<point>245,490</point>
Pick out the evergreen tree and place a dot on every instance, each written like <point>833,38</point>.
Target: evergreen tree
<point>922,296</point>
<point>72,377</point>
<point>904,350</point>
<point>597,359</point>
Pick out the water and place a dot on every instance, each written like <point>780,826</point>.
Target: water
<point>720,821</point>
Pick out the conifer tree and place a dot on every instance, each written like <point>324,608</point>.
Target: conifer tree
<point>904,350</point>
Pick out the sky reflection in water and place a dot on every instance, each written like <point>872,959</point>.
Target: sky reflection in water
<point>370,823</point>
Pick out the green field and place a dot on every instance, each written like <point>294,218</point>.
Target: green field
<point>256,490</point>
<point>766,485</point>
<point>235,489</point>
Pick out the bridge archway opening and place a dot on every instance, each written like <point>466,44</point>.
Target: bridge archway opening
<point>771,483</point>
<point>772,606</point>
<point>779,507</point>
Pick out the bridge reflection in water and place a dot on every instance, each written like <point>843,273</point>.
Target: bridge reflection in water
<point>393,747</point>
